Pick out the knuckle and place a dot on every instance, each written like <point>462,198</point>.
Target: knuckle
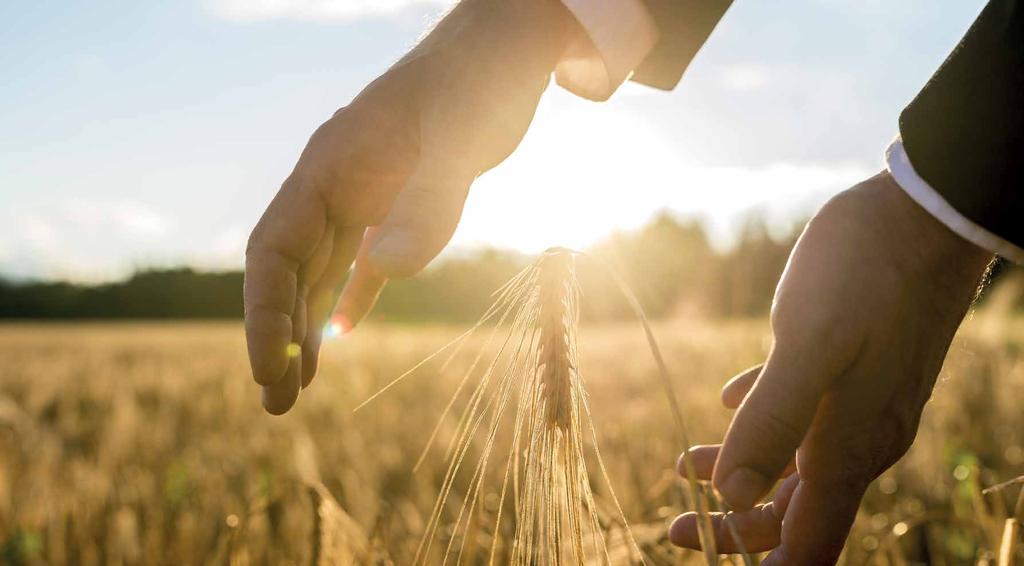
<point>325,135</point>
<point>797,323</point>
<point>309,180</point>
<point>252,243</point>
<point>860,454</point>
<point>256,245</point>
<point>850,472</point>
<point>767,445</point>
<point>780,319</point>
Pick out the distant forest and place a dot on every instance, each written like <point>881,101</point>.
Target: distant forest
<point>669,264</point>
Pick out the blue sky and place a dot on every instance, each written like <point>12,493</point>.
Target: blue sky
<point>154,133</point>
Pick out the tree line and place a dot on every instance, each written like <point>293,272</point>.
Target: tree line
<point>669,263</point>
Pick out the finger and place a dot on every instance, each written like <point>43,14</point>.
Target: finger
<point>364,287</point>
<point>283,240</point>
<point>704,458</point>
<point>422,219</point>
<point>759,529</point>
<point>323,296</point>
<point>772,421</point>
<point>280,396</point>
<point>309,273</point>
<point>737,388</point>
<point>817,522</point>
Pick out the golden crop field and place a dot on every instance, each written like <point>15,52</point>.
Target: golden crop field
<point>146,444</point>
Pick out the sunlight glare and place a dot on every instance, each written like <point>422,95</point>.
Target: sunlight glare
<point>337,327</point>
<point>586,170</point>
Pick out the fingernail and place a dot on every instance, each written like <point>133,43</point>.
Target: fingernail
<point>743,488</point>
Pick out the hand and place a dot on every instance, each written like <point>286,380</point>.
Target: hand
<point>863,316</point>
<point>400,158</point>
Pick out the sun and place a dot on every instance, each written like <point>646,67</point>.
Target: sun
<point>571,182</point>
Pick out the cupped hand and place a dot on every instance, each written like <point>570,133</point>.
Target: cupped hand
<point>382,182</point>
<point>863,316</point>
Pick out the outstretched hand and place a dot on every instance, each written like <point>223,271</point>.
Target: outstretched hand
<point>863,316</point>
<point>400,159</point>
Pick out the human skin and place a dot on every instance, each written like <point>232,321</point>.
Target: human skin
<point>863,317</point>
<point>382,183</point>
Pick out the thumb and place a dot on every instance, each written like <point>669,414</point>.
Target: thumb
<point>771,423</point>
<point>422,218</point>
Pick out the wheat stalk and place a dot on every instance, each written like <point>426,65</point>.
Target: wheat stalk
<point>534,381</point>
<point>705,528</point>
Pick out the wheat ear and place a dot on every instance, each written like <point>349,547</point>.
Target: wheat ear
<point>535,373</point>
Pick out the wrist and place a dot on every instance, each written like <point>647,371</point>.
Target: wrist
<point>543,28</point>
<point>504,33</point>
<point>925,245</point>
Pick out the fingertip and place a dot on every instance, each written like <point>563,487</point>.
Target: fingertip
<point>783,495</point>
<point>734,391</point>
<point>742,487</point>
<point>353,307</point>
<point>756,530</point>
<point>279,397</point>
<point>683,531</point>
<point>268,335</point>
<point>702,458</point>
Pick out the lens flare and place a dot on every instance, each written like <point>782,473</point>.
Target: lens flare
<point>338,326</point>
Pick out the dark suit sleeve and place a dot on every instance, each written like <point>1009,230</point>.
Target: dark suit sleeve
<point>684,26</point>
<point>964,132</point>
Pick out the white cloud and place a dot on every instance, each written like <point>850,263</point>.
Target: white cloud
<point>128,217</point>
<point>313,10</point>
<point>83,239</point>
<point>38,232</point>
<point>226,249</point>
<point>745,77</point>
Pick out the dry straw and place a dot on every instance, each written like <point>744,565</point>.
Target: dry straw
<point>534,381</point>
<point>1010,540</point>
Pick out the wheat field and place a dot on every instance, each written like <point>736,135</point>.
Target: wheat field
<point>146,444</point>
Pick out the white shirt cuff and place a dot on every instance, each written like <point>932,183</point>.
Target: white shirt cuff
<point>902,171</point>
<point>619,35</point>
